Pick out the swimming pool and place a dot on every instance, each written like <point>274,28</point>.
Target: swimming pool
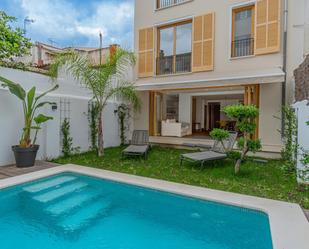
<point>70,210</point>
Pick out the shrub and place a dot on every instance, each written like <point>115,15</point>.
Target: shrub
<point>123,116</point>
<point>245,116</point>
<point>289,151</point>
<point>67,141</point>
<point>219,135</point>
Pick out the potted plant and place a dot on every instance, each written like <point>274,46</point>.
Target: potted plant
<point>25,152</point>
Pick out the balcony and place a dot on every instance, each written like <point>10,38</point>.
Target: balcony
<point>243,47</point>
<point>167,3</point>
<point>174,64</point>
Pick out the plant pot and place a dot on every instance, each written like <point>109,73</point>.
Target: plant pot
<point>25,157</point>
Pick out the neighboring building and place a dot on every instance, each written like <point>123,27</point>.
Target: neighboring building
<point>41,54</point>
<point>197,56</point>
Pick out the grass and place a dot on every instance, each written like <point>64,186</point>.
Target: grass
<point>264,180</point>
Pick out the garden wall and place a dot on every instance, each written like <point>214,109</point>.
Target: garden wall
<point>302,114</point>
<point>72,103</point>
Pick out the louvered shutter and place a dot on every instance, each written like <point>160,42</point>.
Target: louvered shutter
<point>267,28</point>
<point>203,43</point>
<point>146,52</point>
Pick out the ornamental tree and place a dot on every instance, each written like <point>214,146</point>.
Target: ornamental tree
<point>245,116</point>
<point>12,40</point>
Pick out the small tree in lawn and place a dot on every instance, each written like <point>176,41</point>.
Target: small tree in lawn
<point>245,116</point>
<point>105,81</point>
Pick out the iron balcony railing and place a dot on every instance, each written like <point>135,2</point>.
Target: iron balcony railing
<point>243,47</point>
<point>167,3</point>
<point>174,64</point>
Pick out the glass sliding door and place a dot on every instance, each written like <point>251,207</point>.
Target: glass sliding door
<point>183,48</point>
<point>174,48</point>
<point>155,113</point>
<point>158,119</point>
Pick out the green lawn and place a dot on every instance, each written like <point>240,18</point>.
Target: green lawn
<point>264,180</point>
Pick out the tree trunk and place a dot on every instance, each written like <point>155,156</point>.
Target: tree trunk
<point>100,135</point>
<point>237,166</point>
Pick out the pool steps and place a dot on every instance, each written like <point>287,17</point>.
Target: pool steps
<point>48,184</point>
<point>59,192</point>
<point>71,202</point>
<point>84,215</point>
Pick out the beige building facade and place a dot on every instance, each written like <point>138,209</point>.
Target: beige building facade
<point>197,56</point>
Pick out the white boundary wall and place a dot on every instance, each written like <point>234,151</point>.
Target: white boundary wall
<point>11,116</point>
<point>302,114</point>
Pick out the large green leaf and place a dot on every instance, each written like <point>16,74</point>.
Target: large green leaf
<point>45,103</point>
<point>50,90</point>
<point>42,119</point>
<point>14,88</point>
<point>30,98</point>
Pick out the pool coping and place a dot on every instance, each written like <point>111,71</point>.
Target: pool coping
<point>288,224</point>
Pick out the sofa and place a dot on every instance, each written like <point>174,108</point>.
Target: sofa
<point>171,128</point>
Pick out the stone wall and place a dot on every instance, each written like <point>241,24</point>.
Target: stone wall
<point>301,75</point>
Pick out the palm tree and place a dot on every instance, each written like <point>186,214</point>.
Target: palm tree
<point>106,81</point>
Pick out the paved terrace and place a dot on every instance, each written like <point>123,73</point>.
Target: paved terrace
<point>12,170</point>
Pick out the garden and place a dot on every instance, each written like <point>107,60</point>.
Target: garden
<point>239,173</point>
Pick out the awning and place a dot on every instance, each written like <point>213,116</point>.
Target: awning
<point>211,80</point>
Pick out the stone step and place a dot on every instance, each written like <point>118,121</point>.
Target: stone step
<point>59,192</point>
<point>64,206</point>
<point>85,215</point>
<point>49,184</point>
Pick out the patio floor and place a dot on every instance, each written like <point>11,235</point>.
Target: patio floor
<point>12,170</point>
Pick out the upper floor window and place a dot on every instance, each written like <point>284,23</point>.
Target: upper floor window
<point>174,49</point>
<point>167,3</point>
<point>243,31</point>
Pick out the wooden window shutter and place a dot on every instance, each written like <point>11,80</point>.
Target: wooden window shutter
<point>267,28</point>
<point>146,52</point>
<point>203,43</point>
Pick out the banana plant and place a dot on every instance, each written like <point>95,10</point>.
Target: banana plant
<point>31,103</point>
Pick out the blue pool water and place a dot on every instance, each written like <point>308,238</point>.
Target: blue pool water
<point>80,212</point>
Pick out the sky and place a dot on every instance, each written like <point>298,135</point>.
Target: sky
<point>75,22</point>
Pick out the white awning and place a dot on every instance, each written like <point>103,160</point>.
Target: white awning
<point>211,80</point>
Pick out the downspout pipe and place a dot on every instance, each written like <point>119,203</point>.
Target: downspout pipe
<point>284,63</point>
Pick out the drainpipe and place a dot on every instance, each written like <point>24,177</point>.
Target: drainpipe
<point>284,64</point>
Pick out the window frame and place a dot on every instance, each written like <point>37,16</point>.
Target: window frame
<point>234,10</point>
<point>157,4</point>
<point>173,25</point>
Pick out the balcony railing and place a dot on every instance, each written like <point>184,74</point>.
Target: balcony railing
<point>243,47</point>
<point>174,64</point>
<point>168,3</point>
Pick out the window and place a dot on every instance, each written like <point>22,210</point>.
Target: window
<point>167,3</point>
<point>243,31</point>
<point>174,49</point>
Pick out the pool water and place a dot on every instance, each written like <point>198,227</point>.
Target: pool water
<point>81,212</point>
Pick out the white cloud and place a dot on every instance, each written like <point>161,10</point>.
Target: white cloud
<point>61,20</point>
<point>90,31</point>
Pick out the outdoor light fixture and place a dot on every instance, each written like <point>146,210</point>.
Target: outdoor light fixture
<point>54,106</point>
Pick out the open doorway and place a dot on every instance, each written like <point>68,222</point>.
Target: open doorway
<point>214,109</point>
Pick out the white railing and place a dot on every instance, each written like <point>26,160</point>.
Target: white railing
<point>168,3</point>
